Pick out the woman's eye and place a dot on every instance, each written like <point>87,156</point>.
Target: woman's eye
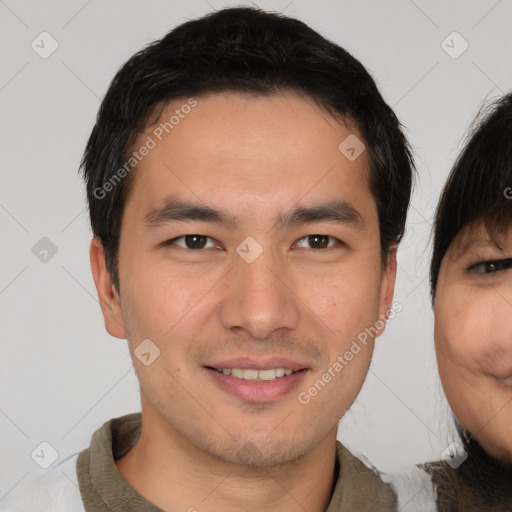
<point>193,242</point>
<point>489,267</point>
<point>317,241</point>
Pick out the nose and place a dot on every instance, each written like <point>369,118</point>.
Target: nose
<point>259,300</point>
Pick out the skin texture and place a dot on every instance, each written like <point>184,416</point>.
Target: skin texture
<point>473,336</point>
<point>256,158</point>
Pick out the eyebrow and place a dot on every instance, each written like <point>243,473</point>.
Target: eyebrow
<point>175,210</point>
<point>474,243</point>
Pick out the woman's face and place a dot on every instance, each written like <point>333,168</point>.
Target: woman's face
<point>473,336</point>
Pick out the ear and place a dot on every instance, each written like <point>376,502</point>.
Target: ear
<point>110,302</point>
<point>387,287</point>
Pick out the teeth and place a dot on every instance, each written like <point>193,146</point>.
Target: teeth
<point>250,374</point>
<point>236,372</point>
<point>267,374</point>
<point>507,381</point>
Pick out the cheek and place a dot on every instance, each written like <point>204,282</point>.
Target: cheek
<point>473,330</point>
<point>348,304</point>
<point>343,299</point>
<point>159,302</point>
<point>455,348</point>
<point>461,331</point>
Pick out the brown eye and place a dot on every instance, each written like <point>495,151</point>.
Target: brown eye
<point>193,242</point>
<point>318,241</point>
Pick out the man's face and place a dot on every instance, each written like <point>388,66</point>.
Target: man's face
<point>250,249</point>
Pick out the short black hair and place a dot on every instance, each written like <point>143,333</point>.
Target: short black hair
<point>479,187</point>
<point>250,51</point>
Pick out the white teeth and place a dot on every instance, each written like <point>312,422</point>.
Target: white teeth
<point>267,374</point>
<point>507,381</point>
<point>236,372</point>
<point>251,374</point>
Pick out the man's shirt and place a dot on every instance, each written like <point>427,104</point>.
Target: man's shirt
<point>90,482</point>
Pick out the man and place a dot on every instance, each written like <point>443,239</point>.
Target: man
<point>247,188</point>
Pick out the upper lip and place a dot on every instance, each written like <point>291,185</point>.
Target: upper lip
<point>248,363</point>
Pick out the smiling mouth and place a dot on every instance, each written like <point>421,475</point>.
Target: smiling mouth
<point>256,375</point>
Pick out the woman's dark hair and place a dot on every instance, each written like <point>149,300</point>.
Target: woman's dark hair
<point>251,51</point>
<point>480,484</point>
<point>479,187</point>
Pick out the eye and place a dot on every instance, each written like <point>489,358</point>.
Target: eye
<point>318,241</point>
<point>489,267</point>
<point>193,242</point>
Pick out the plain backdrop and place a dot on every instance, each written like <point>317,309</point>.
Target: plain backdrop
<point>61,374</point>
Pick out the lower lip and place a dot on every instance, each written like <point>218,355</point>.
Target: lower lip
<point>258,391</point>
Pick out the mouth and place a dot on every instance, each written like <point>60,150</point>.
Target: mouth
<point>267,374</point>
<point>257,382</point>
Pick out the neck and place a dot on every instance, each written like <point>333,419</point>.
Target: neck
<point>175,475</point>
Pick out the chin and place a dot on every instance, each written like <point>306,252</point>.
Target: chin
<point>259,453</point>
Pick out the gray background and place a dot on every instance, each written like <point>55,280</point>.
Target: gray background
<point>61,374</point>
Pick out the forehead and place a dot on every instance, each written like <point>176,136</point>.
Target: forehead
<point>250,152</point>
